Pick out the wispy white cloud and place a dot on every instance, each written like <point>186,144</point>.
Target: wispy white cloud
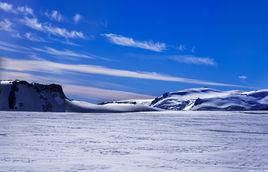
<point>130,42</point>
<point>24,10</point>
<point>5,46</point>
<point>102,94</point>
<point>191,59</point>
<point>242,77</point>
<point>49,66</point>
<point>6,25</point>
<point>9,49</point>
<point>32,37</point>
<point>27,36</point>
<point>62,53</point>
<point>13,75</point>
<point>48,28</point>
<point>19,47</point>
<point>54,15</point>
<point>6,7</point>
<point>64,32</point>
<point>33,23</point>
<point>180,47</point>
<point>65,41</point>
<point>77,18</point>
<point>34,51</point>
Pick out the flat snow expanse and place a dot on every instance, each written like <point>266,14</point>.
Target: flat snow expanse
<point>158,141</point>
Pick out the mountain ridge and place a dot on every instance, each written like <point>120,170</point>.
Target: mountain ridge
<point>211,99</point>
<point>20,95</point>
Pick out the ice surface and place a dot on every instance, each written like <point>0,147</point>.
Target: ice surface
<point>147,141</point>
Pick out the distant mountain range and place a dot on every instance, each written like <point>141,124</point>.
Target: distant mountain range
<point>23,96</point>
<point>210,99</point>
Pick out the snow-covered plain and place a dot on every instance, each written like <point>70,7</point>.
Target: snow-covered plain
<point>144,141</point>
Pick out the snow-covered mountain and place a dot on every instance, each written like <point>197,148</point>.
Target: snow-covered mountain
<point>23,96</point>
<point>210,99</point>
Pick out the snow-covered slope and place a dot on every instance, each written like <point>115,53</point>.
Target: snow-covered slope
<point>80,106</point>
<point>130,101</point>
<point>209,99</point>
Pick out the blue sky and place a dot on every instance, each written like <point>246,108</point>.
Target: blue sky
<point>110,50</point>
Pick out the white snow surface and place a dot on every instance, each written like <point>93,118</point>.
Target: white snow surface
<point>145,141</point>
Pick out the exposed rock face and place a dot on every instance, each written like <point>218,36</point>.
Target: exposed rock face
<point>23,96</point>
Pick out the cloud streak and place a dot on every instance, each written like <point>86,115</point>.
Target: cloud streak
<point>77,18</point>
<point>48,28</point>
<point>64,53</point>
<point>52,67</point>
<point>32,37</point>
<point>102,94</point>
<point>190,59</point>
<point>6,25</point>
<point>24,10</point>
<point>130,42</point>
<point>54,15</point>
<point>72,89</point>
<point>33,51</point>
<point>5,46</point>
<point>6,7</point>
<point>243,77</point>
